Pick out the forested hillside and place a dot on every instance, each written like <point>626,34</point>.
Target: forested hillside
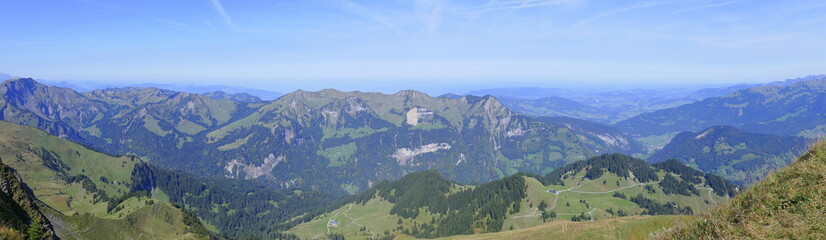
<point>426,205</point>
<point>738,156</point>
<point>235,208</point>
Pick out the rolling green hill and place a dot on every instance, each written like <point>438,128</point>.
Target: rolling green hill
<point>787,204</point>
<point>150,220</point>
<point>88,193</point>
<point>789,110</point>
<point>738,156</point>
<point>72,184</point>
<point>344,141</point>
<point>425,204</point>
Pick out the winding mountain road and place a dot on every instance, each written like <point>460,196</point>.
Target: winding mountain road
<point>536,212</point>
<point>347,215</point>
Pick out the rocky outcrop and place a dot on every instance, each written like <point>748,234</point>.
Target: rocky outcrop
<point>404,155</point>
<point>237,169</point>
<point>19,207</point>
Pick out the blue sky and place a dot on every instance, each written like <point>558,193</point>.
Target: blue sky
<point>390,45</point>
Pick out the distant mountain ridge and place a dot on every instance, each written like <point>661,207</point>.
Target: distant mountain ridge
<point>6,76</point>
<point>556,107</point>
<point>611,106</point>
<point>791,110</point>
<point>235,97</point>
<point>87,86</point>
<point>741,157</point>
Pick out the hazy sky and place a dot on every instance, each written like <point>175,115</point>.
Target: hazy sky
<point>389,45</point>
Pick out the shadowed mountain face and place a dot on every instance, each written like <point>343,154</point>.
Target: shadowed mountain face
<point>19,212</point>
<point>339,141</point>
<point>738,156</point>
<point>792,110</point>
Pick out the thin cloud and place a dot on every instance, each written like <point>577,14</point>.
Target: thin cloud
<point>373,15</point>
<point>209,24</point>
<point>176,23</point>
<point>78,35</point>
<point>13,43</point>
<point>430,13</point>
<point>691,9</point>
<point>138,12</point>
<point>517,4</point>
<point>743,42</point>
<point>599,16</point>
<point>216,4</point>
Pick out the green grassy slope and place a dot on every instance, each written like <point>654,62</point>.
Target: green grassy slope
<point>579,195</point>
<point>788,204</point>
<point>47,163</point>
<point>156,220</point>
<point>77,186</point>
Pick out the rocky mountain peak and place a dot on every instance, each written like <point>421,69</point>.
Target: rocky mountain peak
<point>412,94</point>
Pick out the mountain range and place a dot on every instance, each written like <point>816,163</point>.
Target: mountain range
<point>332,164</point>
<point>81,86</point>
<point>344,141</point>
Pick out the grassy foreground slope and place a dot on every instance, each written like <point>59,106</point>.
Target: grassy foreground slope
<point>789,204</point>
<point>157,220</point>
<point>83,193</point>
<point>66,176</point>
<point>633,227</point>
